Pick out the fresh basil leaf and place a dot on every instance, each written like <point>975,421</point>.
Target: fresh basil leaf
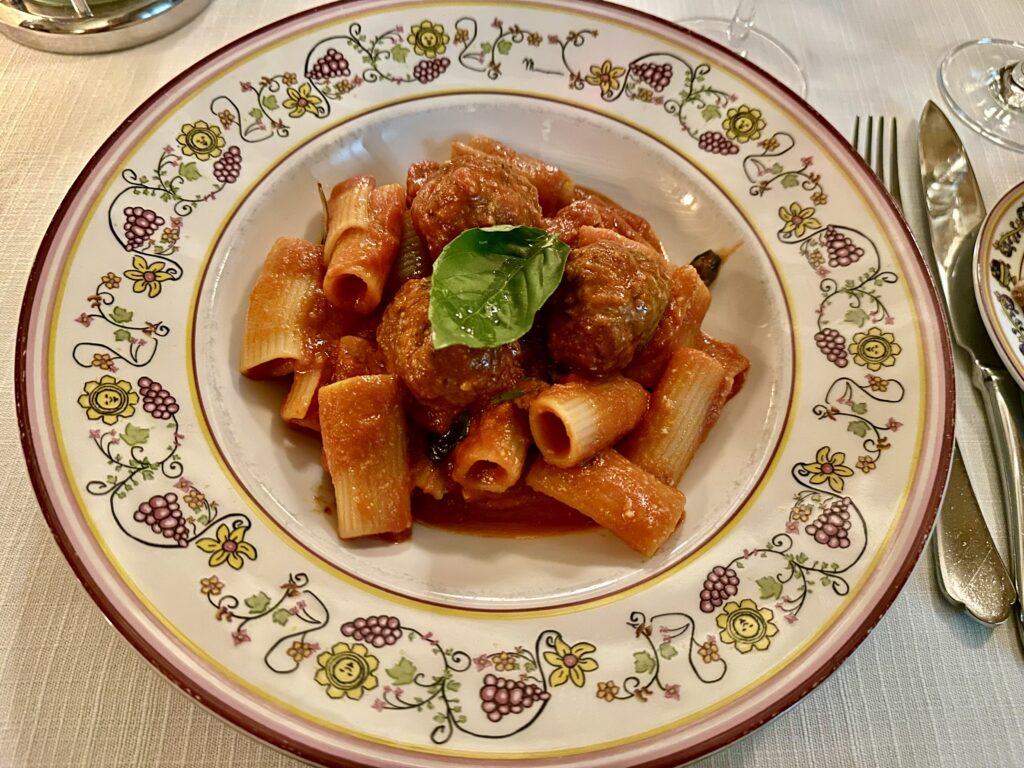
<point>507,396</point>
<point>489,283</point>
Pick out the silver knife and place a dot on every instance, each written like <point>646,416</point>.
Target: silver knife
<point>971,570</point>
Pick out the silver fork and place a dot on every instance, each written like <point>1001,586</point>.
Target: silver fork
<point>970,575</point>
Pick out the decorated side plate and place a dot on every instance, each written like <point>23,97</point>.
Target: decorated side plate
<point>806,508</point>
<point>998,267</point>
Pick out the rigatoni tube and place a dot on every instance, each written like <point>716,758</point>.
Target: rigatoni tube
<point>363,432</point>
<point>572,422</point>
<point>616,494</point>
<point>492,455</point>
<point>285,303</point>
<point>684,406</point>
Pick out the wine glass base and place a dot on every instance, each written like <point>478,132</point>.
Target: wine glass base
<point>756,47</point>
<point>970,78</point>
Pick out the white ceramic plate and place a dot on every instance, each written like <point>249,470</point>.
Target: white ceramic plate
<point>998,265</point>
<point>252,607</point>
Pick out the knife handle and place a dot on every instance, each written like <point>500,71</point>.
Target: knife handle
<point>1001,396</point>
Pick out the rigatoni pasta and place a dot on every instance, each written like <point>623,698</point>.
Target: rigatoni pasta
<point>559,371</point>
<point>364,438</point>
<point>684,406</point>
<point>572,422</point>
<point>492,454</point>
<point>617,494</point>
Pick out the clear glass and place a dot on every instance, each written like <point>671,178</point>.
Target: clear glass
<point>739,35</point>
<point>983,83</point>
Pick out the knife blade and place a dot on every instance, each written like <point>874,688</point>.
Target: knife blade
<point>971,570</point>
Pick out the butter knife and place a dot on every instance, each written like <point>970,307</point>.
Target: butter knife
<point>971,571</point>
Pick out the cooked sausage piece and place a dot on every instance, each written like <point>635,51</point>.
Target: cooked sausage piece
<point>609,303</point>
<point>473,190</point>
<point>456,375</point>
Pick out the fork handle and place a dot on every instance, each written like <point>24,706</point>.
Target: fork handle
<point>1001,397</point>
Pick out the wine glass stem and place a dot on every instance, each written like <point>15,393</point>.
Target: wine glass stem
<point>740,24</point>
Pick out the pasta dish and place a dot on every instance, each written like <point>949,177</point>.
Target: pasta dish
<point>494,338</point>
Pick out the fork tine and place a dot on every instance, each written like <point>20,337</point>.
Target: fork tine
<point>856,133</point>
<point>894,168</point>
<point>867,144</point>
<point>880,150</point>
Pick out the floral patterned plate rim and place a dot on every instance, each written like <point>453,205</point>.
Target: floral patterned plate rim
<point>998,265</point>
<point>139,436</point>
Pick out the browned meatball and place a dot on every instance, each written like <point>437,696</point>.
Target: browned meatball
<point>456,375</point>
<point>608,305</point>
<point>472,191</point>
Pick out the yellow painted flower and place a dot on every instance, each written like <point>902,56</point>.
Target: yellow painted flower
<point>708,651</point>
<point>228,547</point>
<point>829,468</point>
<point>211,585</point>
<point>606,76</point>
<point>797,220</point>
<point>146,276</point>
<point>743,124</point>
<point>504,662</point>
<point>874,349</point>
<point>607,691</point>
<point>200,140</point>
<point>569,663</point>
<point>428,39</point>
<point>866,464</point>
<point>108,399</point>
<point>346,671</point>
<point>746,626</point>
<point>301,100</point>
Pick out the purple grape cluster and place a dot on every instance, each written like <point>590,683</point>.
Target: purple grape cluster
<point>832,527</point>
<point>157,401</point>
<point>430,69</point>
<point>331,64</point>
<point>139,226</point>
<point>502,696</point>
<point>655,75</point>
<point>378,631</point>
<point>163,515</point>
<point>832,345</point>
<point>717,144</point>
<point>721,583</point>
<point>841,250</point>
<point>227,168</point>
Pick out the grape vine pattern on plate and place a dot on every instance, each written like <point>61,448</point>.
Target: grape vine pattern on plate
<point>743,607</point>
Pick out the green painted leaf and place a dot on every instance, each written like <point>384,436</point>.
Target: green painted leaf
<point>643,662</point>
<point>399,53</point>
<point>453,685</point>
<point>771,588</point>
<point>856,316</point>
<point>776,169</point>
<point>133,435</point>
<point>489,283</point>
<point>859,428</point>
<point>439,718</point>
<point>667,651</point>
<point>710,112</point>
<point>790,180</point>
<point>256,112</point>
<point>859,408</point>
<point>189,172</point>
<point>269,102</point>
<point>403,673</point>
<point>485,47</point>
<point>258,603</point>
<point>280,616</point>
<point>122,334</point>
<point>121,315</point>
<point>504,47</point>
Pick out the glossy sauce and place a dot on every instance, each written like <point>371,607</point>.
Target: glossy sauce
<point>525,516</point>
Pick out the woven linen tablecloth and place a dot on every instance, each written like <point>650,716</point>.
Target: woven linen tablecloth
<point>927,688</point>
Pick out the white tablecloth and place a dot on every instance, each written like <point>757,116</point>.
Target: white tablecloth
<point>927,688</point>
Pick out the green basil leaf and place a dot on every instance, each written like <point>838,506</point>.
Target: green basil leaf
<point>489,283</point>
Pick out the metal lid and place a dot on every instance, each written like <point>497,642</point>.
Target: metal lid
<point>93,26</point>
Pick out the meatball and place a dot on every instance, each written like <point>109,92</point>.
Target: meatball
<point>456,375</point>
<point>608,305</point>
<point>472,191</point>
<point>594,210</point>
